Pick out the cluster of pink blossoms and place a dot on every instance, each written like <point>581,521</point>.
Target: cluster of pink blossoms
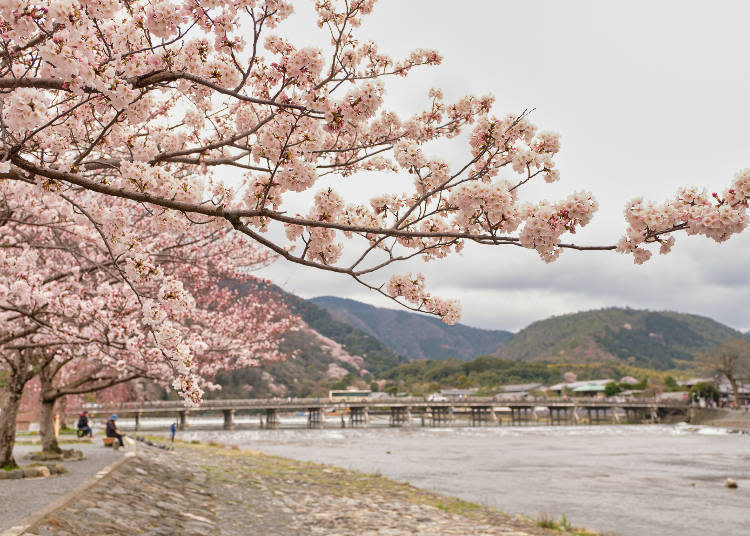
<point>715,216</point>
<point>412,289</point>
<point>547,222</point>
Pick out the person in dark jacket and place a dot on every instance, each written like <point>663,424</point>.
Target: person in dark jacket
<point>112,430</point>
<point>83,425</point>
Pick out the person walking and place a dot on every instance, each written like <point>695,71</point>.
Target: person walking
<point>173,430</point>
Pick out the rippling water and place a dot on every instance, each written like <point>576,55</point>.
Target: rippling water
<point>632,480</point>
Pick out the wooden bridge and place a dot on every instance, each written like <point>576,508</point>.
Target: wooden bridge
<point>478,411</point>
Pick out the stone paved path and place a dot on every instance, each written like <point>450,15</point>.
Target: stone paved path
<point>20,498</point>
<point>197,490</point>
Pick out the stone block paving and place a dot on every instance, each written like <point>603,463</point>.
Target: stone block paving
<point>220,492</point>
<point>150,495</point>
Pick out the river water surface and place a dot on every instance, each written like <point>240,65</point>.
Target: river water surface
<point>630,480</point>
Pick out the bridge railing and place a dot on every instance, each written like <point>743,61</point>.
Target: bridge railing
<point>301,403</point>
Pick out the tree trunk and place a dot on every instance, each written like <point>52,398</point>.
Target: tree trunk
<point>47,425</point>
<point>8,426</point>
<point>735,391</point>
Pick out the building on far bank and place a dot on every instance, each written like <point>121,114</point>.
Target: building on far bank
<point>518,390</point>
<point>724,387</point>
<point>582,388</point>
<point>695,381</point>
<point>743,392</point>
<point>458,392</point>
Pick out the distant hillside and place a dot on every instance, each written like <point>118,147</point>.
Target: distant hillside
<point>326,351</point>
<point>376,354</point>
<point>415,335</point>
<point>489,374</point>
<point>657,340</point>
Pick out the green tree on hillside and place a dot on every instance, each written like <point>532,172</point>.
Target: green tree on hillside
<point>611,389</point>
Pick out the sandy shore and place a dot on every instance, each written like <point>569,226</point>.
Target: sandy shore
<point>210,489</point>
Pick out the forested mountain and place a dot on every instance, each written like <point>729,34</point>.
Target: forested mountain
<point>342,341</point>
<point>326,351</point>
<point>415,335</point>
<point>651,339</point>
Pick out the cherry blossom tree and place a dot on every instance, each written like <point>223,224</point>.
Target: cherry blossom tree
<point>191,111</point>
<point>235,331</point>
<point>84,312</point>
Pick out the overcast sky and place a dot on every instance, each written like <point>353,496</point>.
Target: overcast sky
<point>648,96</point>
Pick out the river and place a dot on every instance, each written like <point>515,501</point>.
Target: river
<point>630,480</point>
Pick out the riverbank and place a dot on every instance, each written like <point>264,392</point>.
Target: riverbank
<point>202,489</point>
<point>721,418</point>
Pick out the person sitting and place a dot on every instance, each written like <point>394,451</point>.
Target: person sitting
<point>84,428</point>
<point>112,430</point>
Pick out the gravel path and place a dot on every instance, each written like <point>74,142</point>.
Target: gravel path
<point>20,498</point>
<point>198,490</point>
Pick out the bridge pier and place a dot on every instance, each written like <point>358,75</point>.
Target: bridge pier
<point>440,415</point>
<point>401,416</point>
<point>228,419</point>
<point>358,416</point>
<point>559,415</point>
<point>272,418</point>
<point>615,416</point>
<point>574,419</point>
<point>137,417</point>
<point>314,418</point>
<point>183,421</point>
<point>521,416</point>
<point>597,416</point>
<point>480,415</point>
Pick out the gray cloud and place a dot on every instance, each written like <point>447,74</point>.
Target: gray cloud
<point>645,104</point>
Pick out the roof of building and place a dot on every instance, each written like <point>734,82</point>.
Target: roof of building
<point>458,392</point>
<point>591,387</point>
<point>517,387</point>
<point>574,385</point>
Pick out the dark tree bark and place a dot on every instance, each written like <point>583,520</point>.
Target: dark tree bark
<point>8,417</point>
<point>47,425</point>
<point>47,399</point>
